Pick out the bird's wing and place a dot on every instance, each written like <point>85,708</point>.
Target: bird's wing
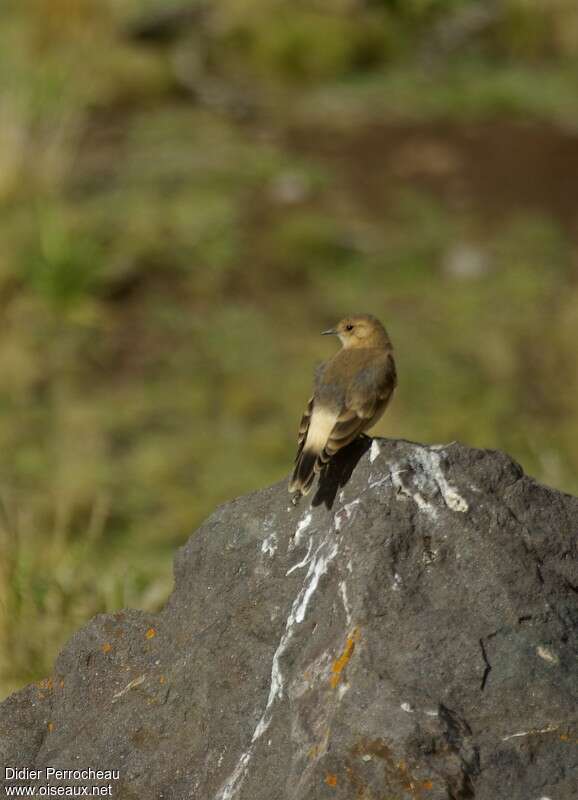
<point>306,418</point>
<point>367,396</point>
<point>372,386</point>
<point>316,431</point>
<point>304,426</point>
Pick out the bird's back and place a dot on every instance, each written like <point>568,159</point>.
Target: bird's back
<point>356,367</point>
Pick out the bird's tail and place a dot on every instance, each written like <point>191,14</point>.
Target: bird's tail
<point>304,472</point>
<point>310,459</point>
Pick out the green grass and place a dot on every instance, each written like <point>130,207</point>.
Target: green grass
<point>467,89</point>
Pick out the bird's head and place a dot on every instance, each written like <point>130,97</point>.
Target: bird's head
<point>360,330</point>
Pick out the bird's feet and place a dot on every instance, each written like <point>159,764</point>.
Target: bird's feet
<point>296,498</point>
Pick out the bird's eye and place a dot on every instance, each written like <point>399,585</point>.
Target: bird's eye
<point>349,327</point>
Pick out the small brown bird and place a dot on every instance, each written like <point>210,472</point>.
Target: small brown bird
<point>351,392</point>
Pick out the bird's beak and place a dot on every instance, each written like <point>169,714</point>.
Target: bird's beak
<point>329,332</point>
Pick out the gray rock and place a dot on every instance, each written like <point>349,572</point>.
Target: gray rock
<point>408,632</point>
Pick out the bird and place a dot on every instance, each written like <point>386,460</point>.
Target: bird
<point>351,392</point>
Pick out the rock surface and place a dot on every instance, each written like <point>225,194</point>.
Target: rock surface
<point>407,632</point>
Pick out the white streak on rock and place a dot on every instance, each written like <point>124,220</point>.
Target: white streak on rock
<point>430,461</point>
<point>454,500</point>
<point>409,709</point>
<point>374,452</point>
<point>547,729</point>
<point>344,514</point>
<point>236,778</point>
<point>417,497</point>
<point>318,566</point>
<point>343,591</point>
<point>343,688</point>
<point>303,561</point>
<point>428,479</point>
<point>516,735</point>
<point>380,482</point>
<point>547,655</point>
<point>302,526</point>
<point>132,685</point>
<point>269,545</point>
<point>397,582</point>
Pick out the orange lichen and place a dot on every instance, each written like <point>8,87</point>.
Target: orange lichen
<point>106,647</point>
<point>45,684</point>
<point>162,679</point>
<point>407,780</point>
<point>61,684</point>
<point>564,737</point>
<point>331,779</point>
<point>396,771</point>
<point>50,727</point>
<point>151,633</point>
<point>343,660</point>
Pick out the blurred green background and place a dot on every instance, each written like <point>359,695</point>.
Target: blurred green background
<point>190,193</point>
